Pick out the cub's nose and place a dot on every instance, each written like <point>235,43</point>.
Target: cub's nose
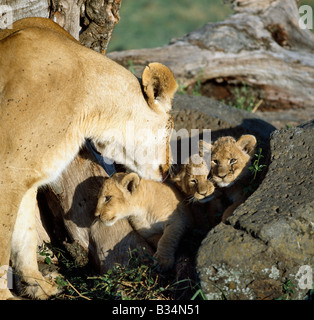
<point>221,176</point>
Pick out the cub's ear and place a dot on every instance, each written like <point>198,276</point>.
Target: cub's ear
<point>204,147</point>
<point>178,176</point>
<point>131,182</point>
<point>159,86</point>
<point>247,143</point>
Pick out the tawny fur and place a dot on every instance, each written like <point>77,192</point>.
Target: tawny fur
<point>54,93</point>
<point>192,179</point>
<point>154,209</point>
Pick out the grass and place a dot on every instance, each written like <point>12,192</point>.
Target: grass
<point>256,166</point>
<point>138,280</point>
<point>255,169</point>
<point>287,290</point>
<point>243,97</point>
<point>153,23</point>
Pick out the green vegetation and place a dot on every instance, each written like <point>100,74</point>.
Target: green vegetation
<point>153,23</point>
<point>194,90</point>
<point>243,97</point>
<point>45,252</point>
<point>255,169</point>
<point>138,280</point>
<point>256,166</point>
<point>287,290</point>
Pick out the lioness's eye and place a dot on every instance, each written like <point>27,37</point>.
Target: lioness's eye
<point>233,161</point>
<point>193,181</point>
<point>215,161</point>
<point>107,198</point>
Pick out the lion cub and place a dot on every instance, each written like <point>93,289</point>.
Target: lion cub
<point>230,161</point>
<point>192,178</point>
<point>154,210</point>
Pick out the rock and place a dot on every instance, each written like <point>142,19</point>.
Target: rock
<point>270,236</point>
<point>198,112</point>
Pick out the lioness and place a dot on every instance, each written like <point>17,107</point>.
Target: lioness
<point>154,209</point>
<point>230,161</point>
<point>54,93</point>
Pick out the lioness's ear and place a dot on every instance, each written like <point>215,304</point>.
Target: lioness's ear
<point>247,143</point>
<point>131,182</point>
<point>159,86</point>
<point>204,147</point>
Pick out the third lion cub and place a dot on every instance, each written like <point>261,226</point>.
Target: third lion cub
<point>230,161</point>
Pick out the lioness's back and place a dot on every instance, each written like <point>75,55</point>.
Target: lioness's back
<point>34,22</point>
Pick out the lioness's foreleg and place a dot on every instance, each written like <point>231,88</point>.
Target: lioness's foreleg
<point>24,249</point>
<point>9,203</point>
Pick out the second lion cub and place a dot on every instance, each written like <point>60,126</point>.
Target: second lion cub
<point>154,210</point>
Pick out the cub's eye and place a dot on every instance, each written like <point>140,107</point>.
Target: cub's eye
<point>215,161</point>
<point>193,181</point>
<point>107,198</point>
<point>233,161</point>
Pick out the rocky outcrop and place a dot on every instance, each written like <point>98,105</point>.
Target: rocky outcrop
<point>258,253</point>
<point>199,112</point>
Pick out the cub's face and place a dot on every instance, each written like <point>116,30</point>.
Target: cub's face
<point>116,197</point>
<point>230,159</point>
<point>198,186</point>
<point>192,179</point>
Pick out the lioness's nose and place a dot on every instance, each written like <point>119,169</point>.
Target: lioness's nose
<point>221,176</point>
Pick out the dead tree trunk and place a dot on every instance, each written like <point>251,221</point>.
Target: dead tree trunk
<point>90,21</point>
<point>262,45</point>
<point>99,20</point>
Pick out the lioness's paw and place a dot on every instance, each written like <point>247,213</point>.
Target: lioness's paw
<point>5,294</point>
<point>163,262</point>
<point>38,287</point>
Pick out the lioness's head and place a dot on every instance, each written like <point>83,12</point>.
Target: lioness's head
<point>192,179</point>
<point>230,159</point>
<point>117,197</point>
<point>140,136</point>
